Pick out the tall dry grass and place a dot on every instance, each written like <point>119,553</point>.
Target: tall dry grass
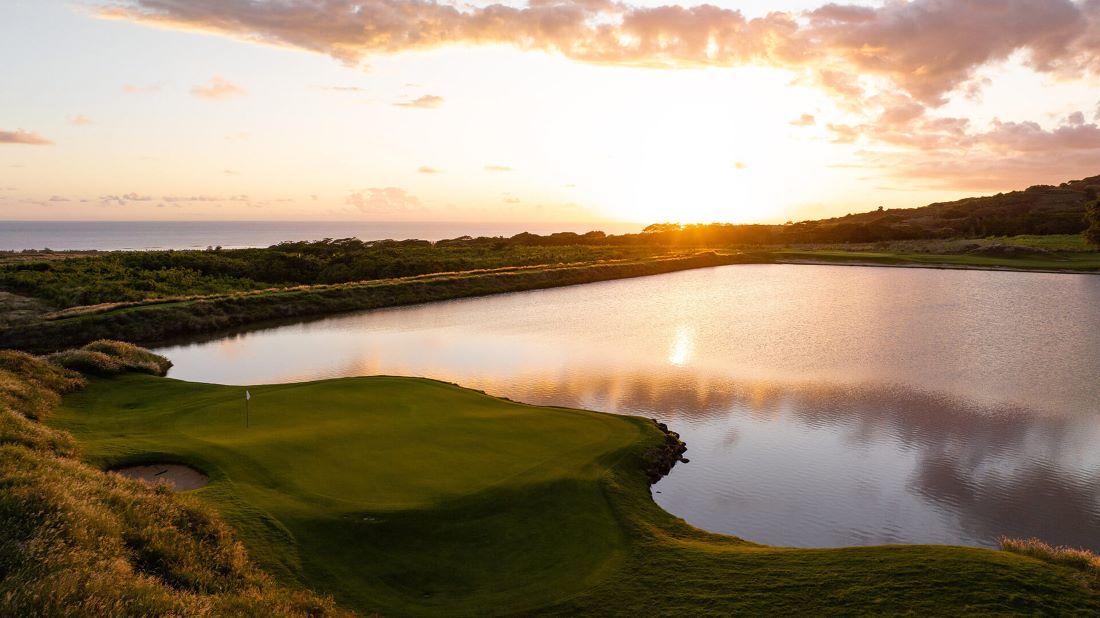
<point>1083,560</point>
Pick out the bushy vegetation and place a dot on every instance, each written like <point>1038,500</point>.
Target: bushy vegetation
<point>76,541</point>
<point>107,358</point>
<point>32,387</point>
<point>135,276</point>
<point>1092,234</point>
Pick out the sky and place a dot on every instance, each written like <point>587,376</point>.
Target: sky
<point>538,111</point>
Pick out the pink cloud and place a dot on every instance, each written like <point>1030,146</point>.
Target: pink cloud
<point>20,136</point>
<point>217,89</point>
<point>428,101</point>
<point>378,200</point>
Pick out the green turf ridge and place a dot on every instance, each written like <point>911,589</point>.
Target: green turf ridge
<point>409,496</point>
<point>1070,262</point>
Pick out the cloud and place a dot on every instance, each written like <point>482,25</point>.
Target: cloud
<point>843,133</point>
<point>132,89</point>
<point>424,169</point>
<point>903,42</point>
<point>951,153</point>
<point>889,67</point>
<point>428,101</point>
<point>19,136</point>
<point>343,88</point>
<point>928,48</point>
<point>123,199</point>
<point>80,121</point>
<point>383,200</point>
<point>497,168</point>
<point>204,198</point>
<point>217,89</point>
<point>58,198</point>
<point>806,120</point>
<point>230,172</point>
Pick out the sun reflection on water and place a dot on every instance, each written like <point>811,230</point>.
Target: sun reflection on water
<point>683,345</point>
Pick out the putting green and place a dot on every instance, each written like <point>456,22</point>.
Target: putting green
<point>408,496</point>
<point>386,489</point>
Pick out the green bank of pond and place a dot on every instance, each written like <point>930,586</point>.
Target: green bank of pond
<point>26,324</point>
<point>410,496</point>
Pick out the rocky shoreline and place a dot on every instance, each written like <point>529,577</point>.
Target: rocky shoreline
<point>663,457</point>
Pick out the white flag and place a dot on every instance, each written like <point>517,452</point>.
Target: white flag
<point>247,395</point>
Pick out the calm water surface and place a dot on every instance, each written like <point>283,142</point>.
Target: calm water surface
<point>143,235</point>
<point>822,406</point>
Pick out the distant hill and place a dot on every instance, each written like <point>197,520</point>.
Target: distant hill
<point>1042,209</point>
<point>1038,210</point>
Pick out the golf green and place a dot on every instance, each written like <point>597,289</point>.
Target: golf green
<point>410,496</point>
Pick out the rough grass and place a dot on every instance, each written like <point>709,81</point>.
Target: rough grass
<point>76,541</point>
<point>413,497</point>
<point>107,358</point>
<point>1083,560</point>
<point>1078,261</point>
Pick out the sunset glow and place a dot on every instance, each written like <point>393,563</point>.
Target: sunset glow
<point>548,111</point>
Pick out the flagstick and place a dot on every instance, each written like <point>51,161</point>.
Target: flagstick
<point>246,398</point>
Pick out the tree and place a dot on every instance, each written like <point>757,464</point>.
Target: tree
<point>1092,215</point>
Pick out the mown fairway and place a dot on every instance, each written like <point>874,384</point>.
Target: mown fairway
<point>408,496</point>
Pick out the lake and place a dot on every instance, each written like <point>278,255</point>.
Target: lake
<point>822,406</point>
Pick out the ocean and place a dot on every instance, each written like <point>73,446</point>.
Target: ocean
<point>152,235</point>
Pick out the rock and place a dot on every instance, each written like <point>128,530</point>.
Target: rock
<point>662,458</point>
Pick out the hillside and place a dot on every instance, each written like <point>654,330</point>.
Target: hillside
<point>1041,209</point>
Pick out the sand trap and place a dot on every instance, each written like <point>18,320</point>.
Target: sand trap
<point>176,476</point>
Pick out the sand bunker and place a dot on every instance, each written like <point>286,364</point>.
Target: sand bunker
<point>176,476</point>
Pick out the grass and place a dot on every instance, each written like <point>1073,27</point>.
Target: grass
<point>1070,261</point>
<point>75,541</point>
<point>158,320</point>
<point>1082,560</point>
<point>413,497</point>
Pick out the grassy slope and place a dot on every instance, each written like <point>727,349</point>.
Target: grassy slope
<point>75,541</point>
<point>410,496</point>
<point>1077,261</point>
